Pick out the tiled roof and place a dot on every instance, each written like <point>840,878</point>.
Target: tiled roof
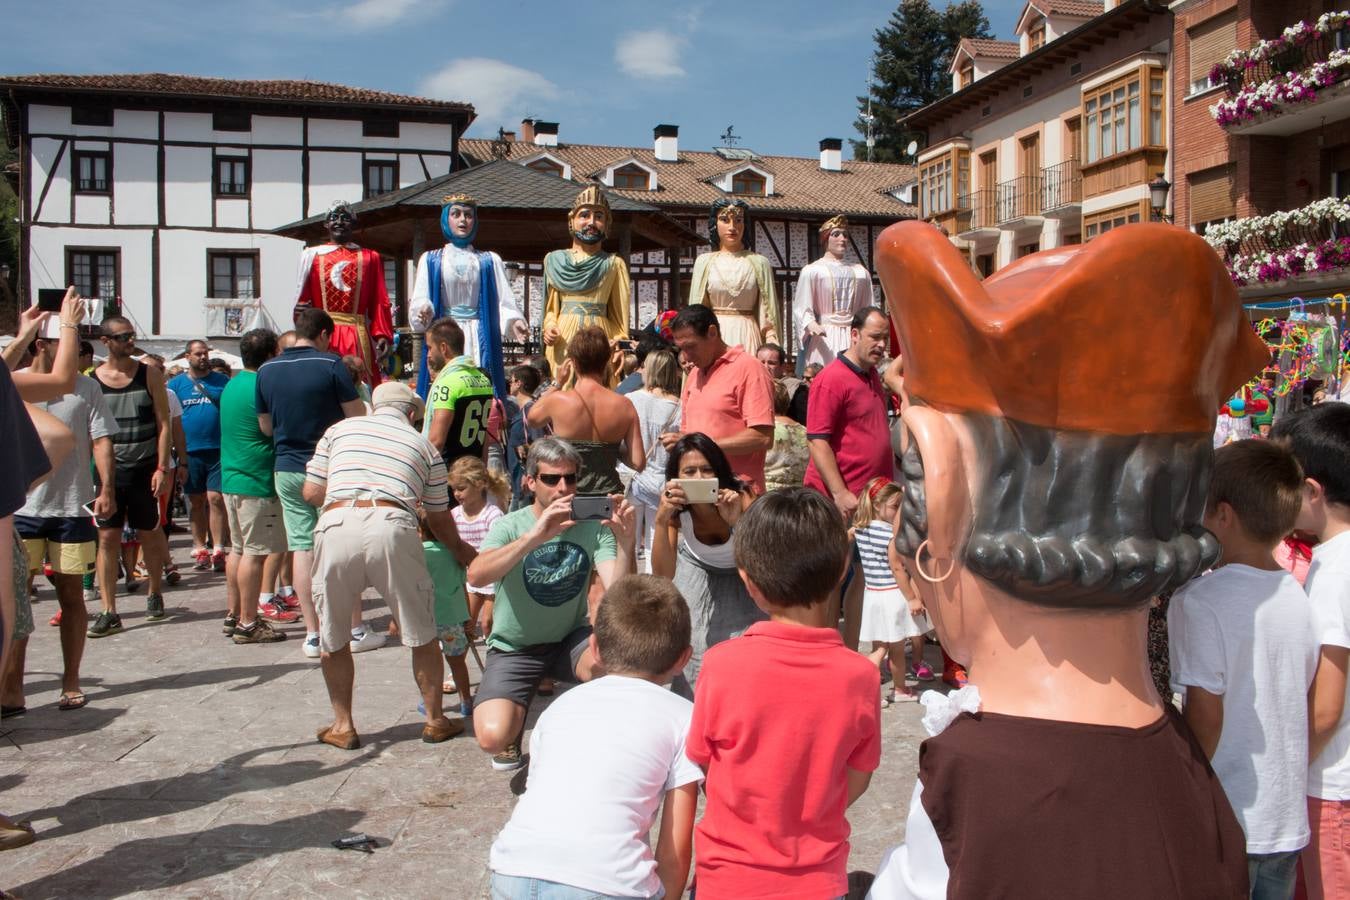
<point>1081,8</point>
<point>160,84</point>
<point>497,184</point>
<point>800,185</point>
<point>989,49</point>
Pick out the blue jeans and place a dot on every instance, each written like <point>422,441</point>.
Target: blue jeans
<point>1272,875</point>
<point>511,887</point>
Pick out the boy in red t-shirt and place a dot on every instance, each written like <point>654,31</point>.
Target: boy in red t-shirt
<point>787,721</point>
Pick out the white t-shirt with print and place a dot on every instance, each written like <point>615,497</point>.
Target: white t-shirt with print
<point>602,758</point>
<point>1328,587</point>
<point>1246,634</point>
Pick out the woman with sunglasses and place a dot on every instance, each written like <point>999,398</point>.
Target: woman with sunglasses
<point>692,546</point>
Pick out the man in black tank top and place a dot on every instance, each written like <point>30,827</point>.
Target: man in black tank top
<point>141,446</point>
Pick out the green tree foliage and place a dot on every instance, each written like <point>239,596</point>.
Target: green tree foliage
<point>9,236</point>
<point>909,69</point>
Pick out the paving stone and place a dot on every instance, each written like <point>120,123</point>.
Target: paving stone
<point>194,771</point>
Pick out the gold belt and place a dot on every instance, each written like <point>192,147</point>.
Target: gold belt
<point>745,314</point>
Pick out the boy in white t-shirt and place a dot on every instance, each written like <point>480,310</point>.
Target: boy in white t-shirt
<point>1320,439</point>
<point>603,757</point>
<point>1243,653</point>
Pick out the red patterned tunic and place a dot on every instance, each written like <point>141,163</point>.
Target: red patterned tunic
<point>348,282</point>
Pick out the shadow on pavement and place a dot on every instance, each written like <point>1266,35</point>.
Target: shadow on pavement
<point>157,863</point>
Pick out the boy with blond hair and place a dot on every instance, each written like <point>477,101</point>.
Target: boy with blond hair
<point>1243,654</point>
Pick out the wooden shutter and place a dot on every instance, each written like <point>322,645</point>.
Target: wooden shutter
<point>1212,194</point>
<point>1210,42</point>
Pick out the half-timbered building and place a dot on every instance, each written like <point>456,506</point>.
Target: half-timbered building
<point>158,193</point>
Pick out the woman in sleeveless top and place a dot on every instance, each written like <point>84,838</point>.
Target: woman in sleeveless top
<point>658,409</point>
<point>603,426</point>
<point>693,547</point>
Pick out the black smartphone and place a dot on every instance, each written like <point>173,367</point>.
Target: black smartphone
<point>50,299</point>
<point>591,507</point>
<point>627,345</point>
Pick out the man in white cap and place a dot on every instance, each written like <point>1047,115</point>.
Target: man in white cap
<point>368,476</point>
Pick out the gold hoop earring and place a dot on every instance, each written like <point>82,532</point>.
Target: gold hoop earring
<point>918,566</point>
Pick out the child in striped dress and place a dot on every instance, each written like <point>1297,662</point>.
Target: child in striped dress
<point>890,617</point>
<point>479,497</point>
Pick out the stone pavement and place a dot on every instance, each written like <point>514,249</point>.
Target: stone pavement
<point>193,771</point>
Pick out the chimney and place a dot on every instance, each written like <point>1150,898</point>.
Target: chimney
<point>831,154</point>
<point>667,146</point>
<point>527,130</point>
<point>546,134</point>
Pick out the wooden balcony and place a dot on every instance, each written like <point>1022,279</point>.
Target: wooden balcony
<point>1133,167</point>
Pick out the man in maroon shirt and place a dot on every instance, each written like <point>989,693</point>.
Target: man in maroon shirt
<point>846,427</point>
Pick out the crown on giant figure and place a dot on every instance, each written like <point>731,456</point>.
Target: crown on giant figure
<point>839,221</point>
<point>1138,332</point>
<point>459,200</point>
<point>591,196</point>
<point>340,207</point>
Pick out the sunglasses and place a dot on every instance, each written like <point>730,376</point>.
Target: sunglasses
<point>552,480</point>
<point>124,337</point>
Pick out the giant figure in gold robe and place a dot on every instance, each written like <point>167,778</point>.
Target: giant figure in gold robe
<point>583,284</point>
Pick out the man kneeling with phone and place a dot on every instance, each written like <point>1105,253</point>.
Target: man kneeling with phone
<point>543,558</point>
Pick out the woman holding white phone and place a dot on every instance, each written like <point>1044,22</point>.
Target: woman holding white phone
<point>692,546</point>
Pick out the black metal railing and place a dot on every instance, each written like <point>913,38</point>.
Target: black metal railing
<point>1061,185</point>
<point>1292,59</point>
<point>983,208</point>
<point>1019,197</point>
<point>1276,238</point>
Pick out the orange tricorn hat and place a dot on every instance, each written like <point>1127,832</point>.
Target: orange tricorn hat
<point>1138,332</point>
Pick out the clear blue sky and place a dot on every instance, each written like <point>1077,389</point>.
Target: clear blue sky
<point>784,72</point>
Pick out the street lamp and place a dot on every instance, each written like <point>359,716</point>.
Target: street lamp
<point>1158,189</point>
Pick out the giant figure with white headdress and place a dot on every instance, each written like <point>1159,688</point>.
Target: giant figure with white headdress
<point>829,292</point>
<point>471,287</point>
<point>347,281</point>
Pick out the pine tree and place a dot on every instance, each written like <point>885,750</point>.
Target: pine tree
<point>909,69</point>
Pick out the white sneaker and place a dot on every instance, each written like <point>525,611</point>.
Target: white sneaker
<point>310,647</point>
<point>90,595</point>
<point>371,640</point>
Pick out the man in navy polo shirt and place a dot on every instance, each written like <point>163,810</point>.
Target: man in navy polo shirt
<point>846,428</point>
<point>299,394</point>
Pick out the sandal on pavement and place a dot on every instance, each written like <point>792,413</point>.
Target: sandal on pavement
<point>72,700</point>
<point>448,686</point>
<point>443,730</point>
<point>343,740</point>
<point>15,834</point>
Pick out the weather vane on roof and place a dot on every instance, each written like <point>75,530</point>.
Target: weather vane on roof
<point>730,138</point>
<point>501,145</point>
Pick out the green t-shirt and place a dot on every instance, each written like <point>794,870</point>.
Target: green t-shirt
<point>466,390</point>
<point>543,599</point>
<point>246,454</point>
<point>447,576</point>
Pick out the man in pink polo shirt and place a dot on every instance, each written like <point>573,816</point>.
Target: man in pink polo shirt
<point>846,427</point>
<point>728,395</point>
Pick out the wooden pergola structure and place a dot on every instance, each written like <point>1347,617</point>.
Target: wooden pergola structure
<point>522,215</point>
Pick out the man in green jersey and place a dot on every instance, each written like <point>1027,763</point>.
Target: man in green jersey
<point>460,398</point>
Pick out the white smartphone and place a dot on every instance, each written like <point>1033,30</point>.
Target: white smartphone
<point>88,510</point>
<point>699,490</point>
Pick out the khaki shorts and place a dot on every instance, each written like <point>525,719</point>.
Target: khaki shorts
<point>376,547</point>
<point>256,527</point>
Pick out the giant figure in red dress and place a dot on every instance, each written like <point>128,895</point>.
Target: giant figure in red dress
<point>347,281</point>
